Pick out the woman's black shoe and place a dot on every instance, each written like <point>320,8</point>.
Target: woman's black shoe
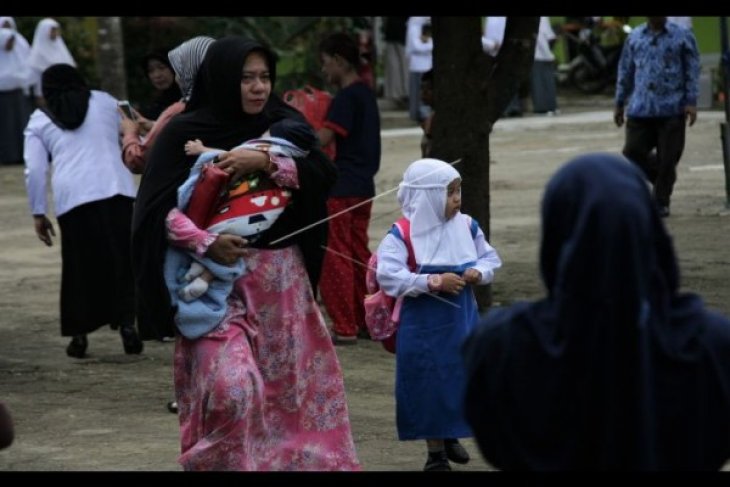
<point>455,451</point>
<point>77,347</point>
<point>130,340</point>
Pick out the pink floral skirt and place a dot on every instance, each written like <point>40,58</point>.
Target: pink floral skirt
<point>264,390</point>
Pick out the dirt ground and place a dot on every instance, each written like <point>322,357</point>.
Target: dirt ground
<point>107,412</point>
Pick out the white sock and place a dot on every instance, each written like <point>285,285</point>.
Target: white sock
<point>194,271</point>
<point>193,290</point>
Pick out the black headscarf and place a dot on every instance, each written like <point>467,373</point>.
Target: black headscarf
<point>215,115</point>
<point>164,98</point>
<point>66,95</point>
<point>614,369</point>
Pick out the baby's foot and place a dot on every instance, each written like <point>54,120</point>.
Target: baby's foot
<point>194,271</point>
<point>193,290</point>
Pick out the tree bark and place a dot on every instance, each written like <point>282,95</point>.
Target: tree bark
<point>110,53</point>
<point>470,92</point>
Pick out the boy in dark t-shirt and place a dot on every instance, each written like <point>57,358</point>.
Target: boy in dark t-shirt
<point>353,121</point>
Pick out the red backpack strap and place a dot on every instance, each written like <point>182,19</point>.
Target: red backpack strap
<point>404,227</point>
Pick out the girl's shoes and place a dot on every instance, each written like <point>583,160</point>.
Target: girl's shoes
<point>437,462</point>
<point>456,451</point>
<point>77,347</point>
<point>130,340</point>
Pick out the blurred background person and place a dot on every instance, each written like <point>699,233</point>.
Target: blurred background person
<point>543,87</point>
<point>396,63</point>
<point>48,48</point>
<point>419,50</point>
<point>15,105</point>
<point>161,75</point>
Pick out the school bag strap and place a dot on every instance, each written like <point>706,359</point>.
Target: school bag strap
<point>403,225</point>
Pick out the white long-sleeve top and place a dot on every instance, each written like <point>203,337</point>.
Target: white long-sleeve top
<point>396,279</point>
<point>420,54</point>
<point>545,34</point>
<point>86,163</point>
<point>493,34</point>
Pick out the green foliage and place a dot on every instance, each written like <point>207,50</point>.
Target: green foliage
<point>79,39</point>
<point>294,39</point>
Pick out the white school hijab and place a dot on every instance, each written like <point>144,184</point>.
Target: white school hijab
<point>21,43</point>
<point>45,51</point>
<point>14,70</point>
<point>422,196</point>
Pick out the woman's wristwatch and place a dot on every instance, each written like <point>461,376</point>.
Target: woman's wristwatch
<point>434,282</point>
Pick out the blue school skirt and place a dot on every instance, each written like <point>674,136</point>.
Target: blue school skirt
<point>430,378</point>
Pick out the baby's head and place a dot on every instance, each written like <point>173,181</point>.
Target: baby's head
<point>297,132</point>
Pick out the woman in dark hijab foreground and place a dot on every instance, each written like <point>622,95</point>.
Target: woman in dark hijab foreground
<point>615,369</point>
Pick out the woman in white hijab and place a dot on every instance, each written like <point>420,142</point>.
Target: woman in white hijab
<point>14,75</point>
<point>48,49</point>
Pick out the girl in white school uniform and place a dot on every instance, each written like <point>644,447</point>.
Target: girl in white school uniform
<point>439,309</point>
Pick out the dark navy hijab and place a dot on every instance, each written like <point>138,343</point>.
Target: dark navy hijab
<point>614,369</point>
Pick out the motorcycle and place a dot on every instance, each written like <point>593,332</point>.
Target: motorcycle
<point>595,67</point>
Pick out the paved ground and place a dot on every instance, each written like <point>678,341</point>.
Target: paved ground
<point>106,413</point>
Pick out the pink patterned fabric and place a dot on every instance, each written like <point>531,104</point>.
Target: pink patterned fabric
<point>264,390</point>
<point>182,232</point>
<point>285,174</point>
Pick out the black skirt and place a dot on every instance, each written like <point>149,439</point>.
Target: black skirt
<point>97,286</point>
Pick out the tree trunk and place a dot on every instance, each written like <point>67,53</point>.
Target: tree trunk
<point>470,92</point>
<point>112,75</point>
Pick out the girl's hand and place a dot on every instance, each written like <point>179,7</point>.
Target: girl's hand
<point>472,276</point>
<point>227,249</point>
<point>144,124</point>
<point>129,126</point>
<point>449,283</point>
<point>240,162</point>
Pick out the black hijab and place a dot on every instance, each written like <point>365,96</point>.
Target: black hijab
<point>214,114</point>
<point>66,95</point>
<point>614,369</point>
<point>162,99</point>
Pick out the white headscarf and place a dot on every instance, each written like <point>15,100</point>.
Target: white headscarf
<point>45,51</point>
<point>422,196</point>
<point>14,69</point>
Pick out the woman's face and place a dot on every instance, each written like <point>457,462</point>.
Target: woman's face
<point>160,74</point>
<point>55,32</point>
<point>255,84</point>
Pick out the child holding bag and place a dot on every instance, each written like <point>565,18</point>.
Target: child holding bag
<point>439,309</point>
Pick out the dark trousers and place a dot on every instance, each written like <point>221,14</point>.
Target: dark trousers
<point>656,145</point>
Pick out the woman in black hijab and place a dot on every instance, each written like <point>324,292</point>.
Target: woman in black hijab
<point>262,390</point>
<point>615,368</point>
<point>159,72</point>
<point>75,138</point>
